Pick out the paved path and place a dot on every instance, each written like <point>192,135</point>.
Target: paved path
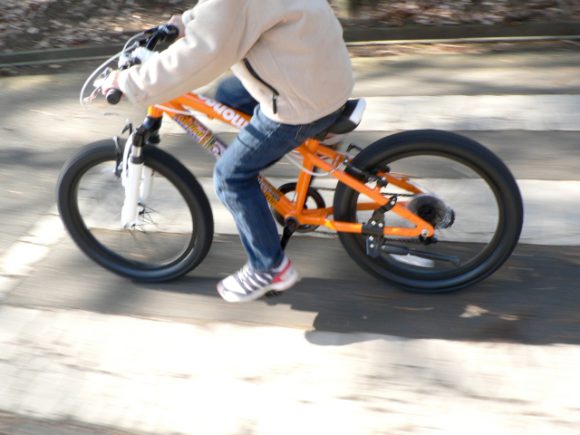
<point>167,377</point>
<point>83,351</point>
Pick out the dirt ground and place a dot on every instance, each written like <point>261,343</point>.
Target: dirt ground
<point>43,24</point>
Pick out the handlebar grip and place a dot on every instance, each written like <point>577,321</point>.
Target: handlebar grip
<point>114,96</point>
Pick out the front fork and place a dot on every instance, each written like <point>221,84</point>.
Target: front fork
<point>137,179</point>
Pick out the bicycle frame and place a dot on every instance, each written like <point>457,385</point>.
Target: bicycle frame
<point>315,155</point>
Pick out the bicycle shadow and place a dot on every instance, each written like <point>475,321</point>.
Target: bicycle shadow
<point>533,300</point>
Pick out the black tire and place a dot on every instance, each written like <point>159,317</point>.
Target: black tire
<point>115,256</point>
<point>500,239</point>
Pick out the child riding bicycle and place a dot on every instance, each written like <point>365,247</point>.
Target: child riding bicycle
<point>291,58</point>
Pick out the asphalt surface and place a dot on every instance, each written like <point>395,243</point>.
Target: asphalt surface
<point>531,301</point>
<point>537,287</point>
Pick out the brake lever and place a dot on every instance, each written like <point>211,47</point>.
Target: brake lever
<point>162,33</point>
<point>142,44</point>
<point>93,96</point>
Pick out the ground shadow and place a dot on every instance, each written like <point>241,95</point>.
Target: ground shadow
<point>532,299</point>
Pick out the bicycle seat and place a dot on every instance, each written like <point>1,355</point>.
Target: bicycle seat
<point>350,117</point>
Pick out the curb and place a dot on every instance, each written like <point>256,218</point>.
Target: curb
<point>45,56</point>
<point>355,33</point>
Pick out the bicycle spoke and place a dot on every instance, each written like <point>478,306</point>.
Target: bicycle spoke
<point>164,232</point>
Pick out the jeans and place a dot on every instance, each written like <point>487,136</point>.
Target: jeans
<point>231,92</point>
<point>260,144</point>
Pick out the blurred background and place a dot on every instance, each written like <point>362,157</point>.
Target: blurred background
<point>26,24</point>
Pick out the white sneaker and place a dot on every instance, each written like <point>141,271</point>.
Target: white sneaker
<point>247,285</point>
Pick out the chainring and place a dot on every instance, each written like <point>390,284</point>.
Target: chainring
<point>312,194</point>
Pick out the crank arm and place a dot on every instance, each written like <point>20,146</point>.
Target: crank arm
<point>403,250</point>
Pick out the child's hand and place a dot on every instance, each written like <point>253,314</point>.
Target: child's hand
<point>176,21</point>
<point>110,83</point>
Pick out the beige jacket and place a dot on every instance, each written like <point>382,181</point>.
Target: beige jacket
<point>289,54</point>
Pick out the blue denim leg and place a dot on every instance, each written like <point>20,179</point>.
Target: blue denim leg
<point>230,91</point>
<point>260,144</point>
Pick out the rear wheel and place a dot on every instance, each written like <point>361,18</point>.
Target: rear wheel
<point>176,225</point>
<point>469,196</point>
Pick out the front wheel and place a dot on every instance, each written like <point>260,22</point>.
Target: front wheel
<point>463,190</point>
<point>175,228</point>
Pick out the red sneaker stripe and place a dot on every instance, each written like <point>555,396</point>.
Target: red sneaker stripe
<point>279,275</point>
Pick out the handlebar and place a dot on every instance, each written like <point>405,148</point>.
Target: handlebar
<point>114,96</point>
<point>149,39</point>
<point>163,33</point>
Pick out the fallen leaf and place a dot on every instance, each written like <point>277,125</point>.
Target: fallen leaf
<point>473,311</point>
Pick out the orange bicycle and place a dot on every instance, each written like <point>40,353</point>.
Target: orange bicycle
<point>426,210</point>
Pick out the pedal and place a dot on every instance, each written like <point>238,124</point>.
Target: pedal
<point>273,293</point>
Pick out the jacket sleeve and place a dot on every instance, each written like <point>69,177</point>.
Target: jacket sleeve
<point>216,37</point>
